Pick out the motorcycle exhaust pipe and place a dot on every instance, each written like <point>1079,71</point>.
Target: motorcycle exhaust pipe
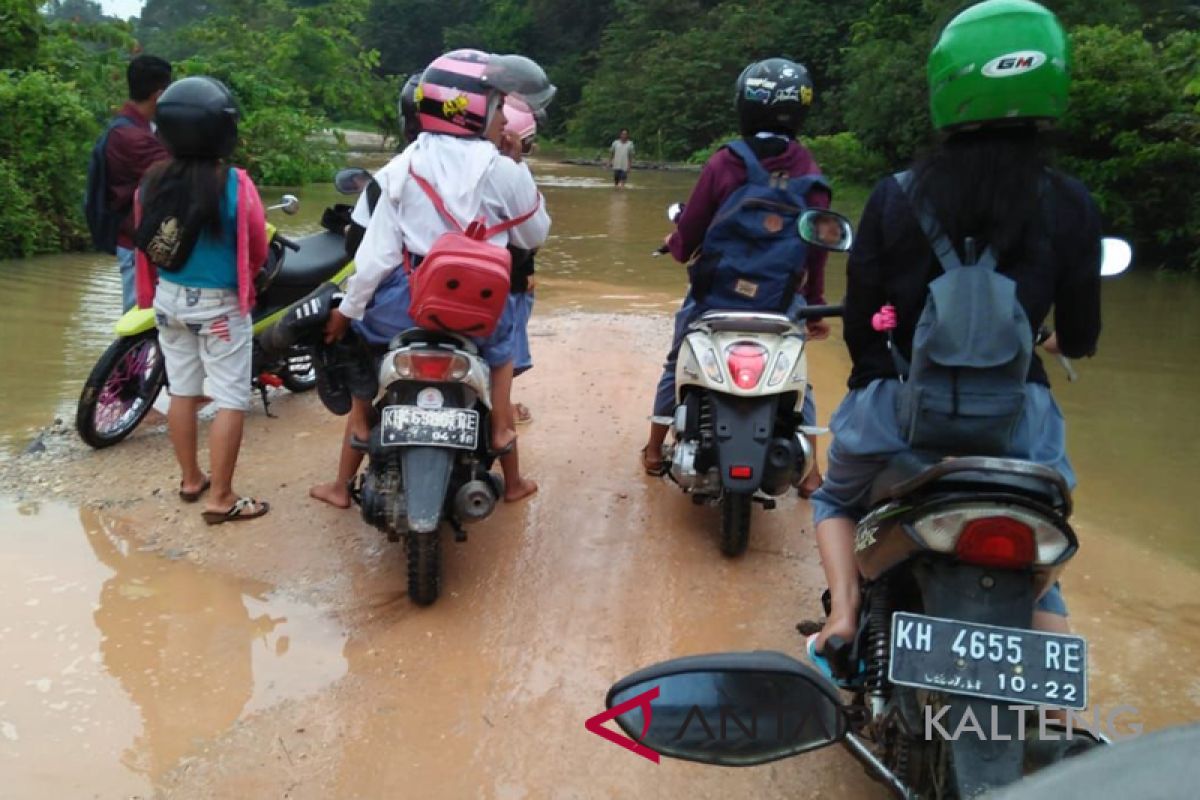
<point>474,501</point>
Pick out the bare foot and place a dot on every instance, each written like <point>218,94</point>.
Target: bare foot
<point>843,625</point>
<point>520,491</point>
<point>335,494</point>
<point>652,465</point>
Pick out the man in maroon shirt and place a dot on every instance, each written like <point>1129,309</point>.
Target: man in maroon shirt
<point>772,100</point>
<point>132,149</point>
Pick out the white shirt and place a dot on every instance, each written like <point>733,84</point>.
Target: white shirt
<point>621,153</point>
<point>473,180</point>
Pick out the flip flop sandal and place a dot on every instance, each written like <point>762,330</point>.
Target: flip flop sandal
<point>521,414</point>
<point>241,510</point>
<point>191,497</point>
<point>654,472</point>
<point>823,665</point>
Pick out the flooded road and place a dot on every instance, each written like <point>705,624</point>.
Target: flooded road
<point>281,658</point>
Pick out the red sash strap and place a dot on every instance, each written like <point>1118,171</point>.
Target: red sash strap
<point>476,230</point>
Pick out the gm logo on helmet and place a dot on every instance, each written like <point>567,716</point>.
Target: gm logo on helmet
<point>1007,66</point>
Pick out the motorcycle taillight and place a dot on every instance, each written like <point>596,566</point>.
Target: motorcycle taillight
<point>997,542</point>
<point>747,362</point>
<point>431,366</point>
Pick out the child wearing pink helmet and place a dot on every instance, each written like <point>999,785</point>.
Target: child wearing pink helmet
<point>476,169</point>
<point>523,124</point>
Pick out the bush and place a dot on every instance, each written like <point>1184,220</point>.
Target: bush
<point>843,159</point>
<point>46,133</point>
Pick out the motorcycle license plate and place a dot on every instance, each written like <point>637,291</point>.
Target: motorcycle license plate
<point>457,428</point>
<point>1010,664</point>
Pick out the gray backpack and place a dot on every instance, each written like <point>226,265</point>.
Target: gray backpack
<point>964,392</point>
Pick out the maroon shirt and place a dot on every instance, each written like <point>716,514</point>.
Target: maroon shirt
<point>131,151</point>
<point>722,176</point>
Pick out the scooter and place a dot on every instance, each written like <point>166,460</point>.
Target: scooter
<point>740,381</point>
<point>428,452</point>
<point>944,674</point>
<point>130,374</point>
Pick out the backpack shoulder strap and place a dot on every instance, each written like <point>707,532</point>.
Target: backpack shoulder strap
<point>754,170</point>
<point>488,233</point>
<point>435,198</point>
<point>942,248</point>
<point>374,192</point>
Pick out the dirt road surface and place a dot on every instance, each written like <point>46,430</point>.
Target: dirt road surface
<point>484,694</point>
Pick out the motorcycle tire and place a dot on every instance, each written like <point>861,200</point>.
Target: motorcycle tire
<point>128,376</point>
<point>424,552</point>
<point>735,524</point>
<point>295,377</point>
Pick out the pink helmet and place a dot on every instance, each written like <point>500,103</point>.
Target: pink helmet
<point>521,121</point>
<point>461,90</point>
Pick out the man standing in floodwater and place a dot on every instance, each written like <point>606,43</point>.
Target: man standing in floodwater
<point>622,158</point>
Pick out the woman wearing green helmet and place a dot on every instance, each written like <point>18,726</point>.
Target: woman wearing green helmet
<point>998,77</point>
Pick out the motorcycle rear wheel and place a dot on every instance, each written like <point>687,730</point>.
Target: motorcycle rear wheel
<point>735,524</point>
<point>120,390</point>
<point>424,551</point>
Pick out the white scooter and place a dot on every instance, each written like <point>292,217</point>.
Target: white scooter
<point>740,380</point>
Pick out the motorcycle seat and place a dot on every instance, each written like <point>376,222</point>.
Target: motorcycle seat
<point>320,256</point>
<point>910,473</point>
<point>745,322</point>
<point>428,337</point>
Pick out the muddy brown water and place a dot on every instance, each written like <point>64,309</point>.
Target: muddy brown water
<point>144,654</point>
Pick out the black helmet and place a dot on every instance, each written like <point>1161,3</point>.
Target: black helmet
<point>774,96</point>
<point>198,118</point>
<point>410,126</point>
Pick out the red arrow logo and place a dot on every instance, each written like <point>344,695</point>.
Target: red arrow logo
<point>643,700</point>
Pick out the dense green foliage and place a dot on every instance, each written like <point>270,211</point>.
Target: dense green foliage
<point>663,68</point>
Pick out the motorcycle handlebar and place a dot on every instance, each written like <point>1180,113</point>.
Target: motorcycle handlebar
<point>288,243</point>
<point>818,312</point>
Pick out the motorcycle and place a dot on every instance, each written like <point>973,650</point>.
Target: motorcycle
<point>943,667</point>
<point>740,381</point>
<point>130,374</point>
<point>428,452</point>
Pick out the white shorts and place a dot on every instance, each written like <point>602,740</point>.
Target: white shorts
<point>203,332</point>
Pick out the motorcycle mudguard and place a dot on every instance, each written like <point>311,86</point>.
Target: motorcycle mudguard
<point>956,591</point>
<point>743,428</point>
<point>426,479</point>
<point>135,321</point>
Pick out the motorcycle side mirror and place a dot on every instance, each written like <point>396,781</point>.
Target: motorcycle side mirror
<point>1116,256</point>
<point>351,180</point>
<point>828,230</point>
<point>729,709</point>
<point>289,204</point>
<point>674,212</point>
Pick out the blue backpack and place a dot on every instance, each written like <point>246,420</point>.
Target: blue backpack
<point>964,392</point>
<point>103,222</point>
<point>752,257</point>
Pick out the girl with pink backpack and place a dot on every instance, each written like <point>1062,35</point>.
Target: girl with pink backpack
<point>434,254</point>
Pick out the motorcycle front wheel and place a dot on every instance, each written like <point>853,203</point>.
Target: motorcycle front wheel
<point>735,524</point>
<point>120,390</point>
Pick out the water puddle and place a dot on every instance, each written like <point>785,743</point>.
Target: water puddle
<point>120,661</point>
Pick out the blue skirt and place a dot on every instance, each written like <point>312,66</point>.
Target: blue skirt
<point>521,307</point>
<point>387,315</point>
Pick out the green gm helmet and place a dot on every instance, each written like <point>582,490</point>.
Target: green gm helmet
<point>1000,60</point>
